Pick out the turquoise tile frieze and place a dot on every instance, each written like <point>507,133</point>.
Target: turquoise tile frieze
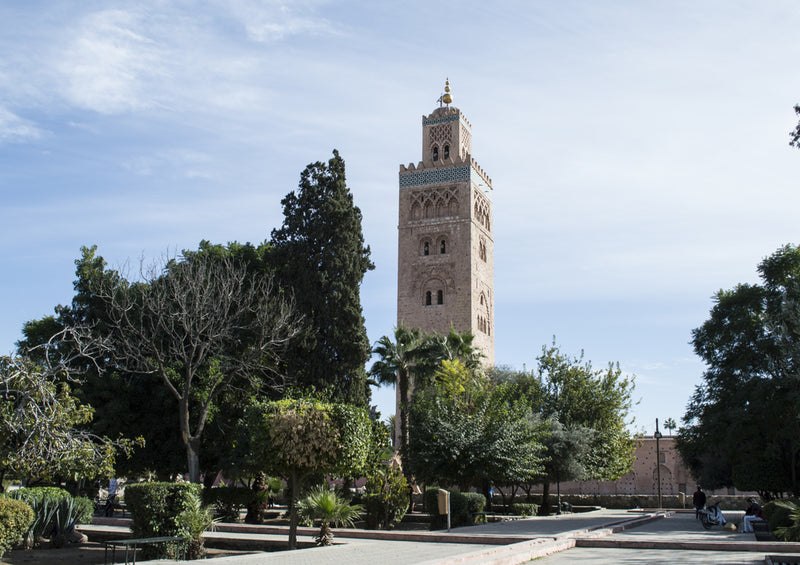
<point>435,176</point>
<point>432,121</point>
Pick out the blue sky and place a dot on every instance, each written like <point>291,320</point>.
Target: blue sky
<point>638,150</point>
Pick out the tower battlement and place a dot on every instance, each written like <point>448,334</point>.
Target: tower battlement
<point>444,164</point>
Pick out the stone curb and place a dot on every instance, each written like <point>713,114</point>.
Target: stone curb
<point>757,547</point>
<point>522,552</point>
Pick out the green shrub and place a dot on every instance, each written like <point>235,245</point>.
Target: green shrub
<point>792,531</point>
<point>386,498</point>
<point>15,518</point>
<point>778,513</point>
<point>56,513</point>
<point>229,501</point>
<point>524,509</point>
<point>463,507</point>
<point>476,503</point>
<point>165,509</point>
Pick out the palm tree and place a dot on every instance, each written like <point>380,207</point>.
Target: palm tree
<point>324,504</point>
<point>397,365</point>
<point>670,424</point>
<point>454,346</point>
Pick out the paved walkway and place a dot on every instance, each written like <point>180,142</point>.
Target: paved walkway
<point>596,538</point>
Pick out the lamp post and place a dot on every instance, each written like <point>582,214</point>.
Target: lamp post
<point>658,436</point>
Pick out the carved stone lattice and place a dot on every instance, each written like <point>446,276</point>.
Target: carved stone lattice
<point>440,134</point>
<point>483,211</point>
<point>466,141</point>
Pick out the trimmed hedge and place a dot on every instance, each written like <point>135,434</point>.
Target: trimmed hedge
<point>463,508</point>
<point>15,518</point>
<point>229,501</point>
<point>156,510</point>
<point>524,509</point>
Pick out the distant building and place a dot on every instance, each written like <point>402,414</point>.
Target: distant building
<point>643,479</point>
<point>445,274</point>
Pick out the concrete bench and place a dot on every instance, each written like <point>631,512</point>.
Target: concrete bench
<point>132,544</point>
<point>762,532</point>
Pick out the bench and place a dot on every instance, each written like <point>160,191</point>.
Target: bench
<point>761,531</point>
<point>131,545</point>
<point>103,508</point>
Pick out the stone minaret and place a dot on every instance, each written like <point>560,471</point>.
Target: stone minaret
<point>446,249</point>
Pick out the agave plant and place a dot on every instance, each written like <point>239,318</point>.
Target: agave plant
<point>790,532</point>
<point>64,518</point>
<point>325,505</point>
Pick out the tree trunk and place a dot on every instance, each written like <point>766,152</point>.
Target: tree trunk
<point>192,443</point>
<point>295,490</point>
<point>193,459</point>
<point>545,509</point>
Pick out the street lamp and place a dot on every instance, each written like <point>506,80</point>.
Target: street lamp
<point>658,436</point>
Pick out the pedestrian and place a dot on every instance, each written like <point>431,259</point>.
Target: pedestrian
<point>698,500</point>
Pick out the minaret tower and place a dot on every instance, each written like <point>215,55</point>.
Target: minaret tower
<point>446,248</point>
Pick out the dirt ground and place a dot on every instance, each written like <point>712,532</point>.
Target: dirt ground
<point>85,554</point>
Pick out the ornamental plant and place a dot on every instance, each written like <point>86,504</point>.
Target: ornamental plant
<point>15,519</point>
<point>326,505</point>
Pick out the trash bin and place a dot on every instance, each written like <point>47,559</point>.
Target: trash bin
<point>443,497</point>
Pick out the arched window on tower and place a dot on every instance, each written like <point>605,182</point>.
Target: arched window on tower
<point>439,297</point>
<point>443,247</point>
<point>435,153</point>
<point>446,151</point>
<point>426,248</point>
<point>428,298</point>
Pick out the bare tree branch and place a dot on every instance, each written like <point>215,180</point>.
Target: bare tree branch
<point>183,317</point>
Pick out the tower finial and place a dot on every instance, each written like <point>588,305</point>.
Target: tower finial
<point>447,98</point>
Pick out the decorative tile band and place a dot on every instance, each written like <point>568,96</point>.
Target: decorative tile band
<point>435,176</point>
<point>453,118</point>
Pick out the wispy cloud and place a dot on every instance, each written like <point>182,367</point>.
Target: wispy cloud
<point>268,21</point>
<point>110,63</point>
<point>179,163</point>
<point>15,129</point>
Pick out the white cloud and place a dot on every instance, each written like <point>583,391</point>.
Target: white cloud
<point>111,64</point>
<point>13,128</point>
<point>268,21</point>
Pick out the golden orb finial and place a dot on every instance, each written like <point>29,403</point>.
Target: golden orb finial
<point>447,98</point>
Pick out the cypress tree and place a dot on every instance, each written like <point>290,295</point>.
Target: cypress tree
<point>319,252</point>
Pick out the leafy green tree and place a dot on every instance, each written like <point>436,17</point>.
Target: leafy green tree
<point>741,427</point>
<point>297,439</point>
<point>41,435</point>
<point>578,395</point>
<point>568,449</point>
<point>795,135</point>
<point>586,409</point>
<point>670,424</point>
<point>466,433</point>
<point>319,252</point>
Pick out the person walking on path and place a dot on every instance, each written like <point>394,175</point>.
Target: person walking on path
<point>698,500</point>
